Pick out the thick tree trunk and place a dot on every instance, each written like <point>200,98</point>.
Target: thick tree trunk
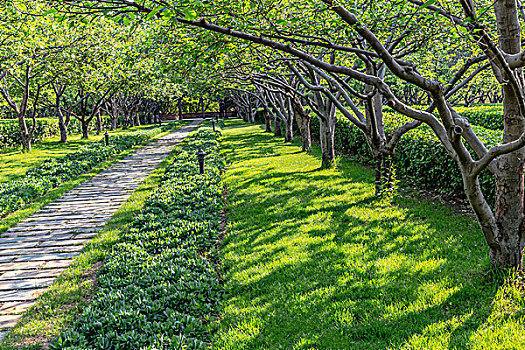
<point>114,122</point>
<point>85,129</point>
<point>267,121</point>
<point>137,119</point>
<point>303,121</point>
<point>288,130</point>
<point>277,127</point>
<point>327,133</point>
<point>509,206</point>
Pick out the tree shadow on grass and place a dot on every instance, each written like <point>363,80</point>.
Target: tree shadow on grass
<point>321,263</point>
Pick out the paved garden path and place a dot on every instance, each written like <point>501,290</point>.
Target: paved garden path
<point>38,249</point>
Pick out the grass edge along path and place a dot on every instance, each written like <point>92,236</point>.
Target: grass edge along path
<point>14,218</point>
<point>160,287</point>
<point>58,307</point>
<point>313,261</point>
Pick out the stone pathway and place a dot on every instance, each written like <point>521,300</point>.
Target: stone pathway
<point>38,249</point>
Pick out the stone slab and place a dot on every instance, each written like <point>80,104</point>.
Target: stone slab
<point>29,283</point>
<point>23,274</point>
<point>15,307</point>
<point>20,295</point>
<point>9,321</point>
<point>46,257</point>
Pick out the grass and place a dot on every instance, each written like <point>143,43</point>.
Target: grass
<point>56,309</point>
<point>14,162</point>
<point>313,261</point>
<point>14,218</point>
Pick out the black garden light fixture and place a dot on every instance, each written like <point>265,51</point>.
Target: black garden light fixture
<point>200,156</point>
<point>106,137</point>
<point>213,124</point>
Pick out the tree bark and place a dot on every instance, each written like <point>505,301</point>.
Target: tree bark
<point>277,127</point>
<point>62,126</point>
<point>114,122</point>
<point>303,121</point>
<point>99,123</point>
<point>326,131</point>
<point>509,206</point>
<point>267,121</point>
<point>85,129</point>
<point>288,130</point>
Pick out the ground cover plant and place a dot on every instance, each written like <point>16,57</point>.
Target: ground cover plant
<point>54,171</point>
<point>159,287</point>
<point>312,260</point>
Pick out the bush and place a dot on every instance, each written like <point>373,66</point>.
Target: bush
<point>53,172</point>
<point>487,116</point>
<point>420,158</point>
<point>10,135</point>
<point>160,287</point>
<point>490,117</point>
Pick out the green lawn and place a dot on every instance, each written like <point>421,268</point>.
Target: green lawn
<point>313,261</point>
<point>14,162</point>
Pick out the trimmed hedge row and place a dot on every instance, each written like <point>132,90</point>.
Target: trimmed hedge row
<point>53,172</point>
<point>487,116</point>
<point>420,158</point>
<point>490,117</point>
<point>10,135</point>
<point>160,287</point>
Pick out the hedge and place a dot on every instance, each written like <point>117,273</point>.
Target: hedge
<point>487,116</point>
<point>160,287</point>
<point>53,172</point>
<point>490,117</point>
<point>420,158</point>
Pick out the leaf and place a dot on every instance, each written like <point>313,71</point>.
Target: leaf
<point>426,4</point>
<point>154,12</point>
<point>190,14</point>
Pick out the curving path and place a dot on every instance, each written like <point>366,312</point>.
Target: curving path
<point>38,249</point>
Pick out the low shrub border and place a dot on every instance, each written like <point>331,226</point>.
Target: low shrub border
<point>160,285</point>
<point>53,172</point>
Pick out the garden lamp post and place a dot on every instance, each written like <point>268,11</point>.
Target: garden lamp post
<point>213,124</point>
<point>106,137</point>
<point>200,156</point>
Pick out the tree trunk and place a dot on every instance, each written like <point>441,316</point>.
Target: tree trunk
<point>114,122</point>
<point>288,130</point>
<point>509,206</point>
<point>277,127</point>
<point>24,134</point>
<point>327,133</point>
<point>62,126</point>
<point>303,121</point>
<point>267,121</point>
<point>85,129</point>
<point>137,119</point>
<point>99,123</point>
